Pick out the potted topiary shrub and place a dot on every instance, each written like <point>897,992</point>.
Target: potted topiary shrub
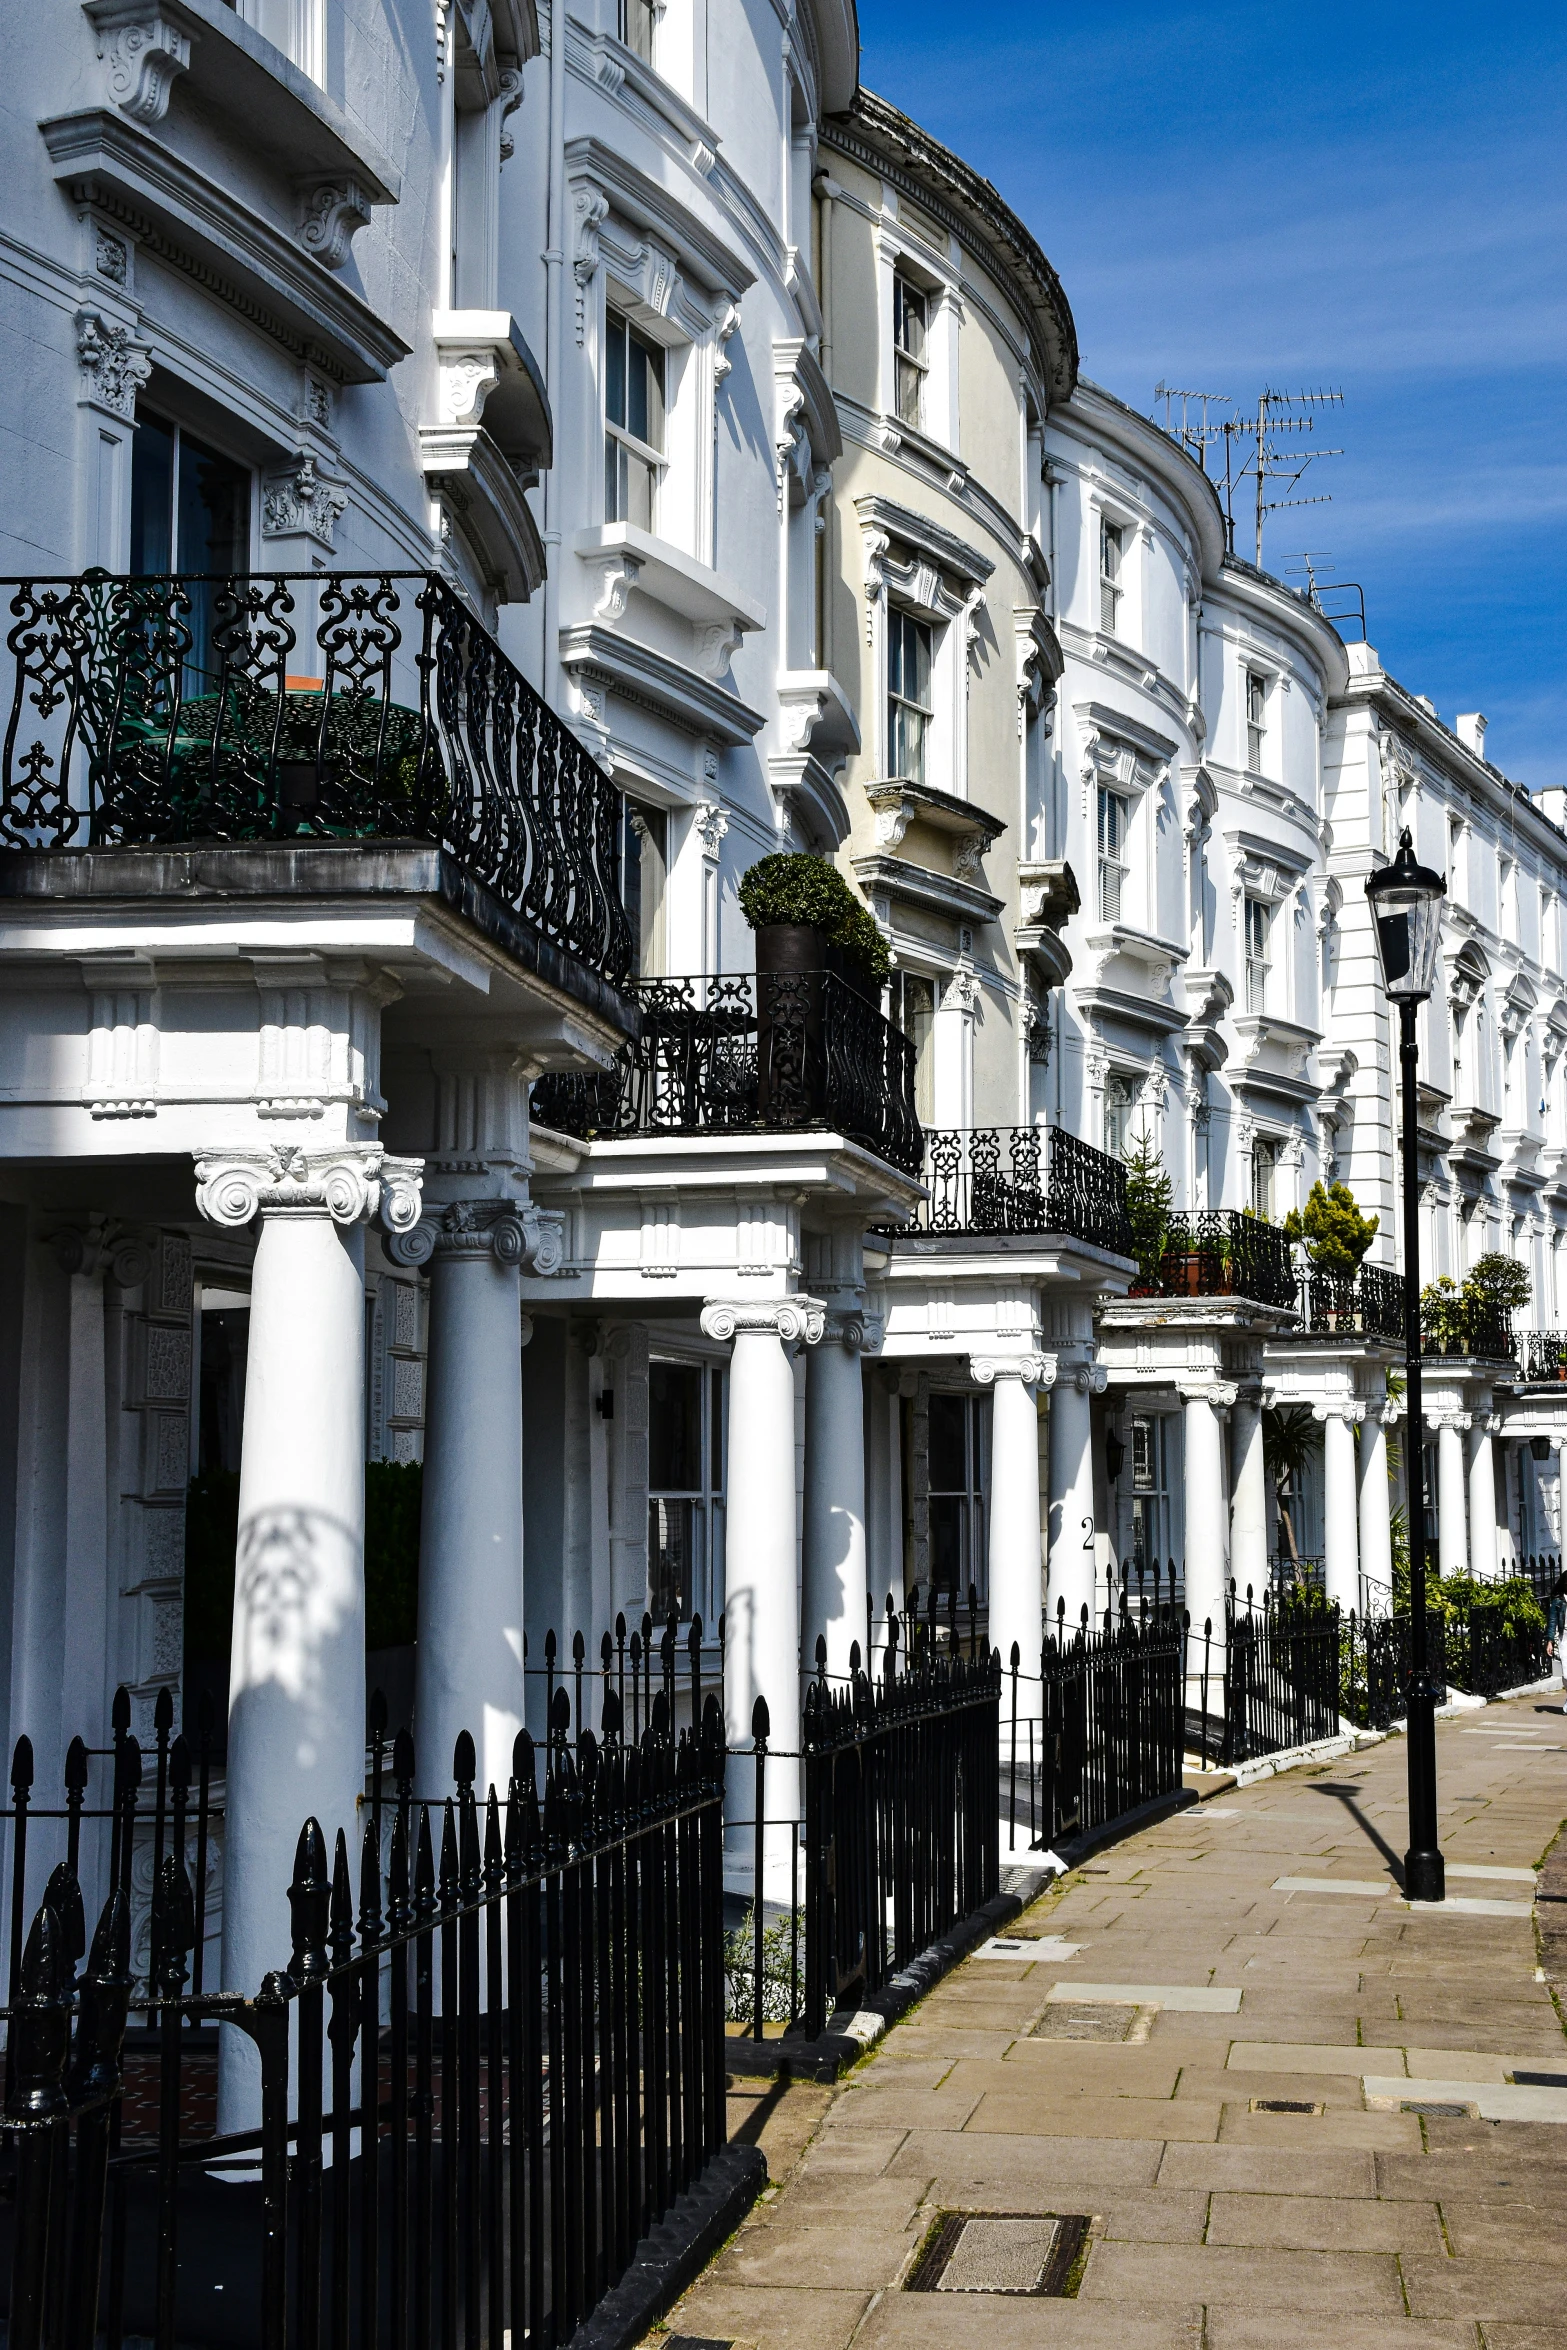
<point>807,918</point>
<point>812,936</point>
<point>1335,1236</point>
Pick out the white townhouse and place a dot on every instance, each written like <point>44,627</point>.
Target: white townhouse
<point>482,481</point>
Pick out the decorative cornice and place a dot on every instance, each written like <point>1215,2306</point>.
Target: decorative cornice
<point>798,1321</point>
<point>1034,1370</point>
<point>350,1183</point>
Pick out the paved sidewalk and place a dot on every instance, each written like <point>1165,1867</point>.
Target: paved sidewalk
<point>1117,2084</point>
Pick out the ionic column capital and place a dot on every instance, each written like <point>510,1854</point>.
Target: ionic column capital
<point>1034,1370</point>
<point>1486,1423</point>
<point>514,1232</point>
<point>844,1327</point>
<point>1453,1423</point>
<point>798,1321</point>
<point>1221,1393</point>
<point>352,1184</point>
<point>102,1246</point>
<point>1333,1409</point>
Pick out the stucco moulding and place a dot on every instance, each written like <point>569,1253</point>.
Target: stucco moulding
<point>106,160</point>
<point>218,59</point>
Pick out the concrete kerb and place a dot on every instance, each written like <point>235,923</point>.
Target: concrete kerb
<point>675,2253</point>
<point>851,2031</point>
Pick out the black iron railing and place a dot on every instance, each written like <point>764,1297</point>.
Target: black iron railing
<point>901,1829</point>
<point>1281,1674</point>
<point>1219,1252</point>
<point>548,2080</point>
<point>1367,1304</point>
<point>1480,1647</point>
<point>1108,1730</point>
<point>1542,1355</point>
<point>304,706</point>
<point>1023,1179</point>
<point>755,1052</point>
<point>1452,1327</point>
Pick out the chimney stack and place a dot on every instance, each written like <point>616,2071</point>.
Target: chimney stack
<point>1470,730</point>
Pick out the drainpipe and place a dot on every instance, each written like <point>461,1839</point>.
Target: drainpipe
<point>554,265</point>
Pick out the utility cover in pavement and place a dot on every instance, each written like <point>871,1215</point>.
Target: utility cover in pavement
<point>999,2253</point>
<point>1063,2020</point>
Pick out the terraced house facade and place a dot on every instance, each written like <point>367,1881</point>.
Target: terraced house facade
<point>489,478</point>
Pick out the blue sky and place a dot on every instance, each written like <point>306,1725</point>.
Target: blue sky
<point>1372,197</point>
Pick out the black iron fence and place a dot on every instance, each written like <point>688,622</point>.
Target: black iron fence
<point>1281,1674</point>
<point>752,1052</point>
<point>486,2072</point>
<point>1219,1252</point>
<point>1480,1648</point>
<point>902,1834</point>
<point>296,706</point>
<point>1023,1179</point>
<point>1367,1304</point>
<point>1103,1728</point>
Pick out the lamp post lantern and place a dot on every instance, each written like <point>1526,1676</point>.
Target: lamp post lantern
<point>1406,910</point>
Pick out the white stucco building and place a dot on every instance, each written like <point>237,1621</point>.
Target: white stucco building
<point>479,481</point>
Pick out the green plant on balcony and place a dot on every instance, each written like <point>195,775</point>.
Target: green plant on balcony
<point>1149,1196</point>
<point>1332,1230</point>
<point>799,889</point>
<point>1471,1320</point>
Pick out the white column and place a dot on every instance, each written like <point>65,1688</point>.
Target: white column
<point>1376,1516</point>
<point>468,1669</point>
<point>761,1594</point>
<point>1207,1565</point>
<point>1452,1531</point>
<point>1072,1529</point>
<point>833,1595</point>
<point>297,1667</point>
<point>1248,1492</point>
<point>1482,1497</point>
<point>1340,1502</point>
<point>1016,1567</point>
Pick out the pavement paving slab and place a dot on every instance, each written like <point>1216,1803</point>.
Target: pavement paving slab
<point>1139,2083</point>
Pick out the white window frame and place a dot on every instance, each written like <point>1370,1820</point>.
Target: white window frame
<point>1112,864</point>
<point>1115,1120</point>
<point>1112,580</point>
<point>1256,719</point>
<point>650,457</point>
<point>638,27</point>
<point>904,708</point>
<point>1264,1156</point>
<point>910,357</point>
<point>1257,937</point>
<point>909,256</point>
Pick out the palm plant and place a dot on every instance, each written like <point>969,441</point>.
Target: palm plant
<point>1290,1439</point>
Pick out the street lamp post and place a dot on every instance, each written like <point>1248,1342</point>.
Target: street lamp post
<point>1406,900</point>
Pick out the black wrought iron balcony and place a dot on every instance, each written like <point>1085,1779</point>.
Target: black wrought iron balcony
<point>293,706</point>
<point>1542,1356</point>
<point>1218,1252</point>
<point>1023,1179</point>
<point>1367,1304</point>
<point>745,1054</point>
<point>1453,1331</point>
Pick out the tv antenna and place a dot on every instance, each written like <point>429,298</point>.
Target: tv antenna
<point>1268,461</point>
<point>1194,436</point>
<point>1349,597</point>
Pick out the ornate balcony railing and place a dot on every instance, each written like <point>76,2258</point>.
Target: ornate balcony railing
<point>1367,1304</point>
<point>751,1053</point>
<point>1542,1355</point>
<point>1023,1179</point>
<point>157,711</point>
<point>1452,1331</point>
<point>1221,1252</point>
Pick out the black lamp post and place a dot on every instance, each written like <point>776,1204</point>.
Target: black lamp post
<point>1406,907</point>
